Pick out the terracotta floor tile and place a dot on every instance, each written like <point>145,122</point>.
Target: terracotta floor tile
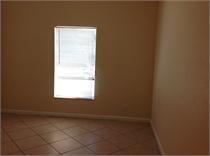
<point>74,131</point>
<point>92,126</point>
<point>80,151</point>
<point>8,148</point>
<point>41,150</point>
<point>63,124</point>
<point>120,152</point>
<point>44,129</point>
<point>87,138</point>
<point>141,125</point>
<point>80,121</point>
<point>4,137</point>
<point>151,143</point>
<point>122,141</point>
<point>73,136</point>
<point>139,149</point>
<point>103,147</point>
<point>51,118</point>
<point>108,123</point>
<point>123,128</point>
<point>140,136</point>
<point>19,134</point>
<point>18,153</point>
<point>147,130</point>
<point>54,136</point>
<point>30,142</point>
<point>12,127</point>
<point>66,145</point>
<point>27,118</point>
<point>106,133</point>
<point>36,122</point>
<point>58,119</point>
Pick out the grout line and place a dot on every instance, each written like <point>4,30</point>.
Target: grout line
<point>103,139</point>
<point>12,140</point>
<point>33,136</point>
<point>43,140</point>
<point>54,141</point>
<point>86,146</point>
<point>72,137</point>
<point>79,141</point>
<point>23,137</point>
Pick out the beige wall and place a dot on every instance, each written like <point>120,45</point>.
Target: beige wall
<point>180,108</point>
<point>125,55</point>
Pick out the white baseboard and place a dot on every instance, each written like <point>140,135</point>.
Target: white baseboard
<point>157,138</point>
<point>77,115</point>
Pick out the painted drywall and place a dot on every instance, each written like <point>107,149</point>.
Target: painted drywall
<point>124,61</point>
<point>180,105</point>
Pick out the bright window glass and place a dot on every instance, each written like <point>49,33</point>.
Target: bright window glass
<point>74,69</point>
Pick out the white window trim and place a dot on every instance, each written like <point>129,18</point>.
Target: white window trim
<point>56,51</point>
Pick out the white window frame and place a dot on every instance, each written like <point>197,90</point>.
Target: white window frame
<point>57,51</point>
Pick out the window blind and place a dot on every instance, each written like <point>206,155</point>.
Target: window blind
<point>75,53</point>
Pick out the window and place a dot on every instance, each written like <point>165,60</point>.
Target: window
<point>74,69</point>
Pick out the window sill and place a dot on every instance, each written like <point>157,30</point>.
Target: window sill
<point>74,98</point>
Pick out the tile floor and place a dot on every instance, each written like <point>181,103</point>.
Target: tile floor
<point>40,135</point>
